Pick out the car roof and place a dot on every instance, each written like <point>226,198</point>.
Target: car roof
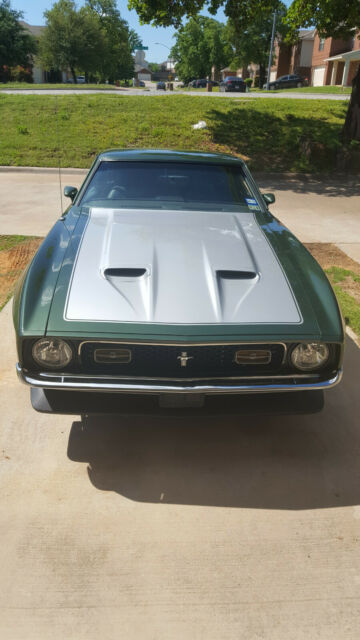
<point>167,155</point>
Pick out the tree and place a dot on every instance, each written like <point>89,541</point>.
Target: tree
<point>116,61</point>
<point>336,18</point>
<point>154,67</point>
<point>200,45</point>
<point>162,13</point>
<point>251,42</point>
<point>71,40</point>
<point>94,39</point>
<point>17,46</point>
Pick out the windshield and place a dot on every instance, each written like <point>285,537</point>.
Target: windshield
<point>174,185</point>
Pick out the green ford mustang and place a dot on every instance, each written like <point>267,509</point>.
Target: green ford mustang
<point>168,277</point>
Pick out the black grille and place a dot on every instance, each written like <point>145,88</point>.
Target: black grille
<point>164,361</point>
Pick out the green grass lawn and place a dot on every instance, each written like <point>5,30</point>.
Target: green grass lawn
<point>270,134</point>
<point>27,86</point>
<point>200,89</point>
<point>325,89</point>
<point>350,307</point>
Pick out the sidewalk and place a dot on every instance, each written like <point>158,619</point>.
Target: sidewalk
<point>320,209</point>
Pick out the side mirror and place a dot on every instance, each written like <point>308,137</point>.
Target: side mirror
<point>269,198</point>
<point>70,192</point>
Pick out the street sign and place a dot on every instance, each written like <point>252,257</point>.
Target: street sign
<point>140,48</point>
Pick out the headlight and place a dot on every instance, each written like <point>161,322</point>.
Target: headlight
<point>52,352</point>
<point>310,356</point>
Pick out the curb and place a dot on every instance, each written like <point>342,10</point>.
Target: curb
<point>4,169</point>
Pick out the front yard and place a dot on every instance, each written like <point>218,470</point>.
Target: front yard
<point>272,135</point>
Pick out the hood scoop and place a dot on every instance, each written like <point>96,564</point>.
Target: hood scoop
<point>236,275</point>
<point>133,287</point>
<point>123,272</point>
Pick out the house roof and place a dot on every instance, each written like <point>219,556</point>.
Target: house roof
<point>140,69</point>
<point>307,34</point>
<point>34,29</point>
<point>348,55</point>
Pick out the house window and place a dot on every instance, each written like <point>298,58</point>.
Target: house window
<point>321,44</point>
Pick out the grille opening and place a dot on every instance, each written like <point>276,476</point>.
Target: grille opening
<point>236,275</point>
<point>124,272</point>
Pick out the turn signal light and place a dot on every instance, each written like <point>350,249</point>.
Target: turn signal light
<point>253,356</point>
<point>112,356</point>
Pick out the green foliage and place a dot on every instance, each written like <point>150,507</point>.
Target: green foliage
<point>71,40</point>
<point>162,13</point>
<point>17,46</point>
<point>268,133</point>
<point>200,44</point>
<point>114,60</point>
<point>349,306</point>
<point>154,67</point>
<point>339,275</point>
<point>21,74</point>
<point>94,40</point>
<point>248,82</point>
<point>335,18</point>
<point>7,242</point>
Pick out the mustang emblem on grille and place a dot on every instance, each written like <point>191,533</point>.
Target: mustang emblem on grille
<point>184,358</point>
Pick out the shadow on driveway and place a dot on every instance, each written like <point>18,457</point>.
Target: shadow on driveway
<point>297,462</point>
<point>332,187</point>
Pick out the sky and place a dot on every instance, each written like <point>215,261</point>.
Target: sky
<point>33,11</point>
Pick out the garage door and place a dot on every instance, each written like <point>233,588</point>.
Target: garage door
<point>318,76</point>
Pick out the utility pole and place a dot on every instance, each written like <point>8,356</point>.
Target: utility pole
<point>271,51</point>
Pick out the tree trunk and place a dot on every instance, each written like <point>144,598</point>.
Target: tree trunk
<point>73,74</point>
<point>351,128</point>
<point>261,76</point>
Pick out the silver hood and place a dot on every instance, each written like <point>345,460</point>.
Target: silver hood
<point>176,267</point>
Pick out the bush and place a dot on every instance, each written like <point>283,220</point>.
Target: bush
<point>20,74</point>
<point>248,82</point>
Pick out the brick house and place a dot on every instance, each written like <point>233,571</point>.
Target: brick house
<point>322,61</point>
<point>335,62</point>
<point>296,58</point>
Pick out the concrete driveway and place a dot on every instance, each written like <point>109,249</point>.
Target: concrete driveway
<point>315,209</point>
<point>144,528</point>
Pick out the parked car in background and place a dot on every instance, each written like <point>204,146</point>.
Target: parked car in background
<point>231,83</point>
<point>161,85</point>
<point>287,82</point>
<point>80,79</point>
<point>201,83</point>
<point>168,278</point>
<point>141,83</point>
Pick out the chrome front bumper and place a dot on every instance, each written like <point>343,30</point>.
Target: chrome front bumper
<point>75,382</point>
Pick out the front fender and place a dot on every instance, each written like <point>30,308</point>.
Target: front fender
<point>36,287</point>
